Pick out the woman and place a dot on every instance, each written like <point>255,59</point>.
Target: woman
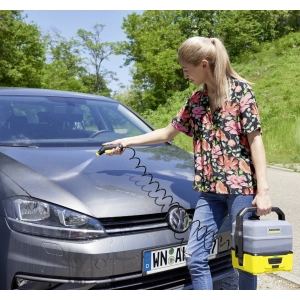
<point>230,162</point>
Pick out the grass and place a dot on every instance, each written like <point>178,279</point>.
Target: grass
<point>275,70</point>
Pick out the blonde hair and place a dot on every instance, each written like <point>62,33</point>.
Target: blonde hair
<point>197,48</point>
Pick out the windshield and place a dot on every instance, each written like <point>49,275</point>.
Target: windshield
<point>40,121</point>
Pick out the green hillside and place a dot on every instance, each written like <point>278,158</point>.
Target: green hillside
<point>275,70</point>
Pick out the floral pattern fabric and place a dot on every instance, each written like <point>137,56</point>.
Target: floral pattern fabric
<point>221,150</point>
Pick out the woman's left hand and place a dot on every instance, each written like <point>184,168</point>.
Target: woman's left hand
<point>263,203</point>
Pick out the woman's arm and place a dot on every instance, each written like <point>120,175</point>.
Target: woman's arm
<point>153,137</point>
<point>262,199</point>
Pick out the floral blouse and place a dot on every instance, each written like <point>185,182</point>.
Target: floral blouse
<point>223,162</point>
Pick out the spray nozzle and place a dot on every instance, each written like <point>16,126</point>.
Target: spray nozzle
<point>108,148</point>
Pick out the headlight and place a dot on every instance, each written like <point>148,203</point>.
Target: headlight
<point>35,217</point>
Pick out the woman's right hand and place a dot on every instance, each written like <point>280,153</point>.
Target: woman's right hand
<point>117,150</point>
<point>153,137</point>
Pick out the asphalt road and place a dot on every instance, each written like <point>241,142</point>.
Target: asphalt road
<point>284,189</point>
<point>272,281</point>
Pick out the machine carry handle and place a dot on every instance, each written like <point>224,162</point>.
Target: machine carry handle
<point>242,212</point>
<point>238,235</point>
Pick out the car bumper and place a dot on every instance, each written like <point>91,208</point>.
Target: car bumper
<point>30,262</point>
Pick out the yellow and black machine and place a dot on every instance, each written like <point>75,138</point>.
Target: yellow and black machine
<point>261,246</point>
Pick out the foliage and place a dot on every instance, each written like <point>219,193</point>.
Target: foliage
<point>244,30</point>
<point>64,68</point>
<point>98,52</point>
<point>275,72</point>
<point>29,59</point>
<point>165,113</point>
<point>154,36</point>
<point>197,22</point>
<point>22,52</point>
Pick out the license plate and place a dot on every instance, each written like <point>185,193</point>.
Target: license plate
<point>169,258</point>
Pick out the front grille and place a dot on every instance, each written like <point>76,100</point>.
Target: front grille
<point>136,223</point>
<point>174,279</point>
<point>169,280</point>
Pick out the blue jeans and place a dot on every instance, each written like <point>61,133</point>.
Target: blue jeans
<point>210,211</point>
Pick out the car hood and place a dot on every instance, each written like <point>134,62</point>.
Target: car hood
<point>143,180</point>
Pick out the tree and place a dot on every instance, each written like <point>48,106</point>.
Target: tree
<point>197,22</point>
<point>65,65</point>
<point>22,51</point>
<point>244,30</point>
<point>97,52</point>
<point>153,39</point>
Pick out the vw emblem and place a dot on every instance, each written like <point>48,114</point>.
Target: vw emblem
<point>178,219</point>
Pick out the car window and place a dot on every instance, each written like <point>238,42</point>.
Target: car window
<point>122,121</point>
<point>58,120</point>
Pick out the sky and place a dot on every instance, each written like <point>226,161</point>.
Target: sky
<point>67,22</point>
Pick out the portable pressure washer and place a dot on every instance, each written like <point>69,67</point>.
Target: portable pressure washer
<point>258,246</point>
<point>261,246</point>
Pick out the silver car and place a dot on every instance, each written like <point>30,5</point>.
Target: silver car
<point>71,218</point>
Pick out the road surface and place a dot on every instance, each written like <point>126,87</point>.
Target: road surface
<point>284,187</point>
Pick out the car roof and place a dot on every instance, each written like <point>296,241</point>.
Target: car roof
<point>15,91</point>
